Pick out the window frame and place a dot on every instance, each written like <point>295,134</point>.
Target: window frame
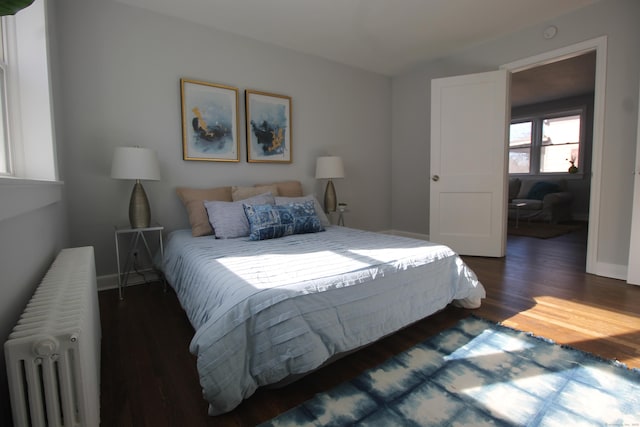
<point>34,181</point>
<point>6,169</point>
<point>537,120</point>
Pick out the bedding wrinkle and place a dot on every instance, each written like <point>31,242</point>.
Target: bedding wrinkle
<point>266,310</point>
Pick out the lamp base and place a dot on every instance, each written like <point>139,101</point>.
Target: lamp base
<point>139,211</point>
<point>330,197</point>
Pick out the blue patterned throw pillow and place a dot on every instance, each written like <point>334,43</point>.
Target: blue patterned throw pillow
<point>228,219</point>
<point>273,221</point>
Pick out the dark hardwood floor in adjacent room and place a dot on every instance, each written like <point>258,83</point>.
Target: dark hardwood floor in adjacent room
<point>149,377</point>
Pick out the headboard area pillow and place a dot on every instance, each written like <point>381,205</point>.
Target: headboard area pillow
<point>324,220</point>
<point>288,188</point>
<point>273,221</point>
<point>193,201</point>
<point>242,193</point>
<point>228,218</point>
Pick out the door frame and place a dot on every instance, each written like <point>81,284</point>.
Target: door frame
<point>633,270</point>
<point>599,45</point>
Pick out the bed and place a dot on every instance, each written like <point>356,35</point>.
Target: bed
<point>268,310</point>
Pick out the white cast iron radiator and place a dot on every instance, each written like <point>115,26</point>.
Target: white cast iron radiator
<point>53,353</point>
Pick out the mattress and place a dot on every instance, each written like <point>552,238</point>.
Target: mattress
<point>267,310</point>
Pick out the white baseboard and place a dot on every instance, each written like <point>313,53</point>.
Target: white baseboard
<point>613,271</point>
<point>406,234</point>
<point>110,281</point>
<point>580,216</point>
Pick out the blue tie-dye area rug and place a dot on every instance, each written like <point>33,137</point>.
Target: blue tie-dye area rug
<point>480,374</point>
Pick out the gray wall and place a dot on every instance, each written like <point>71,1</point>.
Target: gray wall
<point>411,115</point>
<point>120,71</point>
<point>28,244</point>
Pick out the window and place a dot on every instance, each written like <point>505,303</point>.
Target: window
<point>26,151</point>
<point>547,143</point>
<point>520,137</point>
<point>28,167</point>
<point>5,165</point>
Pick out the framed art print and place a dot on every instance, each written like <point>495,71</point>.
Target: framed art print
<point>268,127</point>
<point>210,124</point>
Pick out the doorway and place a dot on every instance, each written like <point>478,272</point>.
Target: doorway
<point>595,47</point>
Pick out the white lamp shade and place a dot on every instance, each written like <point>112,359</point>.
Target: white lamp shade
<point>135,163</point>
<point>329,167</point>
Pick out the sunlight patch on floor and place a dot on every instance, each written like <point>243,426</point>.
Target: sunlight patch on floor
<point>589,317</point>
<point>620,327</point>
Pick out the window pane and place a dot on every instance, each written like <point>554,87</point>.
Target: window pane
<point>4,164</point>
<point>561,130</point>
<point>4,142</point>
<point>557,158</point>
<point>520,134</point>
<point>519,160</point>
<point>2,58</point>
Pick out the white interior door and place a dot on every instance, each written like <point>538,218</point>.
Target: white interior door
<point>633,272</point>
<point>469,136</point>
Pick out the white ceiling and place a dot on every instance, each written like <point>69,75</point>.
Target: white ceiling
<point>384,36</point>
<point>561,79</point>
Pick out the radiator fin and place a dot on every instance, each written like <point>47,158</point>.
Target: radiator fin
<point>53,353</point>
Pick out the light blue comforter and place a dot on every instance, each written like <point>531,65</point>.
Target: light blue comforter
<point>266,310</point>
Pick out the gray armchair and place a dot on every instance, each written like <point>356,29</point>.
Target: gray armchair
<point>539,199</point>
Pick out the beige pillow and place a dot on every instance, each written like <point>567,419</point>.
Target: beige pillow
<point>241,193</point>
<point>193,200</point>
<point>288,188</point>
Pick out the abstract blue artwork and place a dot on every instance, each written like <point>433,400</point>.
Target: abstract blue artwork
<point>210,128</point>
<point>268,127</point>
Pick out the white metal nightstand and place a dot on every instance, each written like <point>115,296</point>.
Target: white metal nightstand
<point>138,236</point>
<point>342,208</point>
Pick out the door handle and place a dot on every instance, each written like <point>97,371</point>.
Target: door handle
<point>435,178</point>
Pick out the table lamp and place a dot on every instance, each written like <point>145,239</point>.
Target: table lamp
<point>136,163</point>
<point>329,167</point>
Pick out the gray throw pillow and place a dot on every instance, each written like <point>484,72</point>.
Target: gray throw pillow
<point>228,218</point>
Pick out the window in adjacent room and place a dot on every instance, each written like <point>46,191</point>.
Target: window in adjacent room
<point>560,143</point>
<point>520,137</point>
<point>547,143</point>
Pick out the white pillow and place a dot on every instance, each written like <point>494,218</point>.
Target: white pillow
<point>228,218</point>
<point>319,211</point>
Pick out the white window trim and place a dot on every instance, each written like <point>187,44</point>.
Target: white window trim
<point>33,184</point>
<point>7,27</point>
<point>20,196</point>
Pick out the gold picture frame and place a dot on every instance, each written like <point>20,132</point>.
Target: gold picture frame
<point>268,117</point>
<point>210,121</point>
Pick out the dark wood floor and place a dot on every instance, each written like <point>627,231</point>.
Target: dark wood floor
<point>149,377</point>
